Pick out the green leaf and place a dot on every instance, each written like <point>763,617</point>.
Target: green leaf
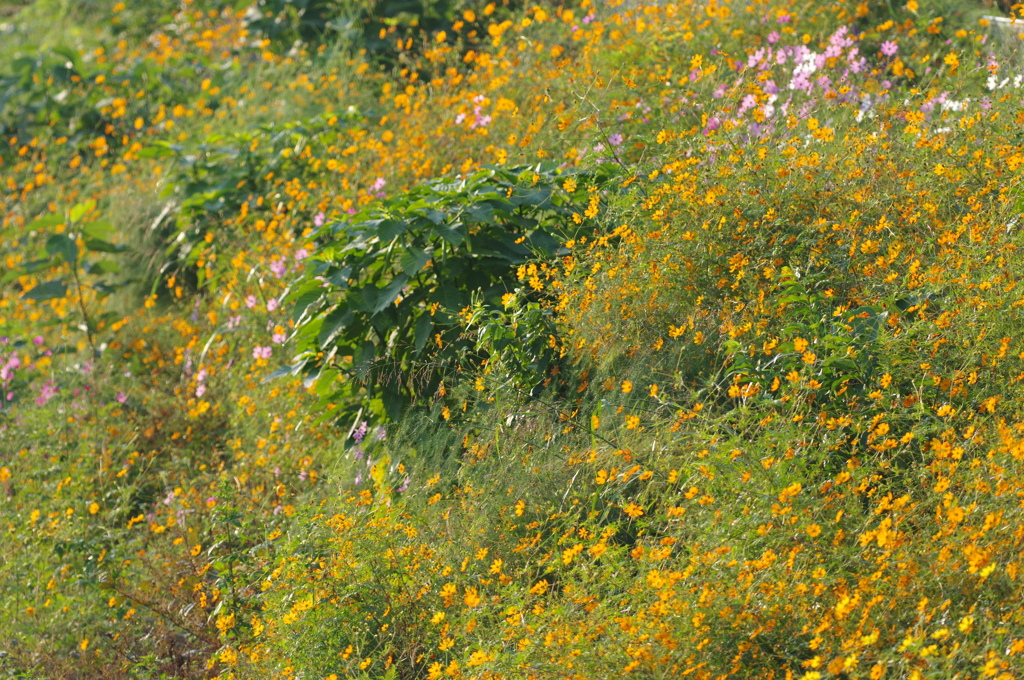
<point>340,278</point>
<point>105,266</point>
<point>424,326</point>
<point>155,151</point>
<point>393,402</point>
<point>47,291</point>
<point>306,298</point>
<point>480,212</point>
<point>454,233</point>
<point>45,223</point>
<point>62,245</point>
<point>388,229</point>
<point>389,293</point>
<point>70,54</point>
<point>333,324</point>
<point>100,230</point>
<point>82,209</point>
<point>362,358</point>
<point>413,259</point>
<point>98,246</point>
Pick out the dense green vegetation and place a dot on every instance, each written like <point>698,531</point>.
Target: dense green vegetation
<point>436,339</point>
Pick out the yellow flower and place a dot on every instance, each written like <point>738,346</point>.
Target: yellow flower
<point>633,510</point>
<point>477,658</point>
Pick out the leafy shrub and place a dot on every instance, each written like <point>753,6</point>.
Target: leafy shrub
<point>378,312</point>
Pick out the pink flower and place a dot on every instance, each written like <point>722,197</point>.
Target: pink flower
<point>121,397</point>
<point>250,301</point>
<point>262,352</point>
<point>46,392</point>
<point>319,219</point>
<point>200,390</point>
<point>278,338</point>
<point>889,48</point>
<point>37,341</point>
<point>278,268</point>
<point>272,304</point>
<point>615,139</point>
<point>301,254</point>
<point>378,184</point>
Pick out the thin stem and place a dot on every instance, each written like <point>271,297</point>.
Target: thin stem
<point>81,307</point>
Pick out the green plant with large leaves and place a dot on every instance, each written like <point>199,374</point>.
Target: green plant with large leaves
<point>76,253</point>
<point>380,314</point>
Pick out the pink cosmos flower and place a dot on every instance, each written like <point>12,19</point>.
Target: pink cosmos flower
<point>46,392</point>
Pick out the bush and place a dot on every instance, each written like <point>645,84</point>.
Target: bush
<point>378,313</point>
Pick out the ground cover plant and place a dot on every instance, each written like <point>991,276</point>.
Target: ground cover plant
<point>511,340</point>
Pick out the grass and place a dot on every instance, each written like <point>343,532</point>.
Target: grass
<point>755,414</point>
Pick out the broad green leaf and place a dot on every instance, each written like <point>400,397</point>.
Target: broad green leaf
<point>82,209</point>
<point>340,278</point>
<point>333,324</point>
<point>105,266</point>
<point>45,223</point>
<point>101,230</point>
<point>413,259</point>
<point>393,403</point>
<point>62,245</point>
<point>388,229</point>
<point>305,299</point>
<point>424,327</point>
<point>480,212</point>
<point>454,233</point>
<point>98,246</point>
<point>155,151</point>
<point>389,293</point>
<point>47,291</point>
